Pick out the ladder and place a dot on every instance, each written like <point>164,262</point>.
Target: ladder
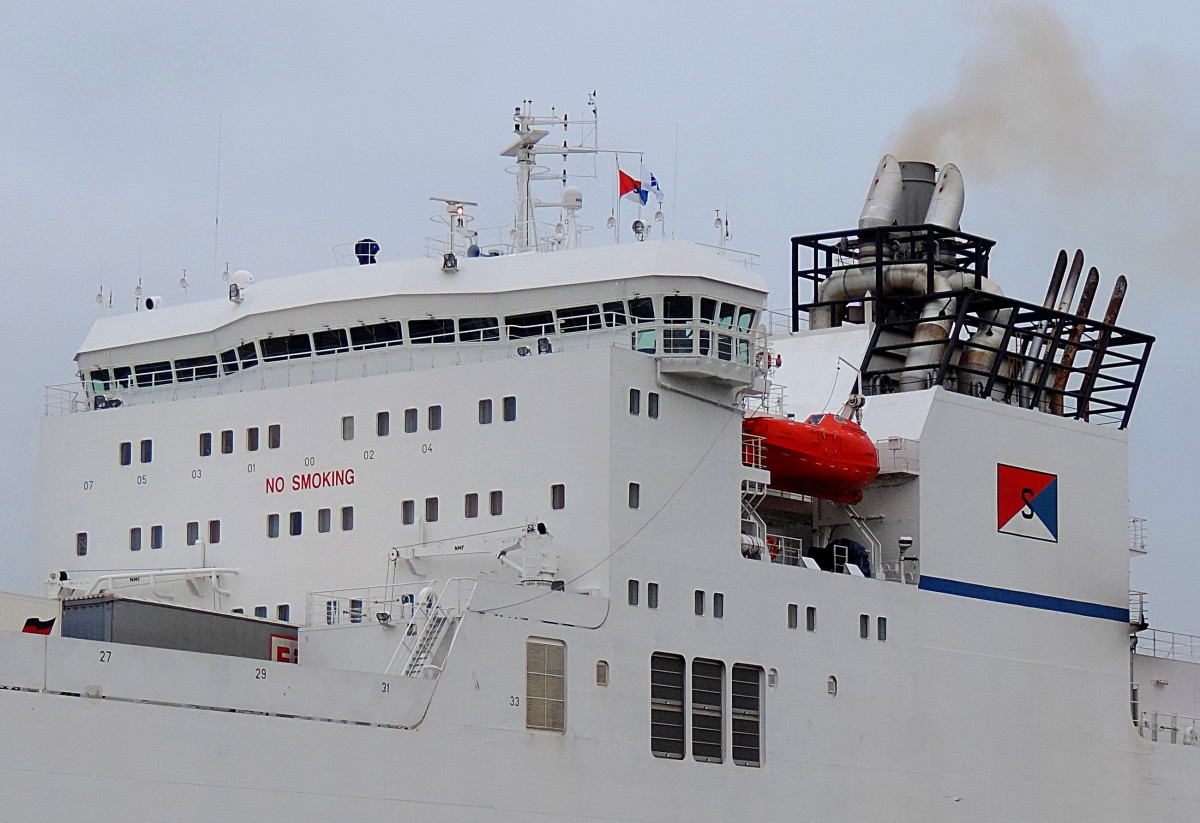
<point>430,634</point>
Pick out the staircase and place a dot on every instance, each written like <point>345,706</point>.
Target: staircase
<point>434,617</point>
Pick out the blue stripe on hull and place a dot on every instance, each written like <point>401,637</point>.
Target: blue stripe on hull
<point>1027,599</point>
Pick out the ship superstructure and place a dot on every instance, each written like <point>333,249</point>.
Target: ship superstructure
<point>522,508</point>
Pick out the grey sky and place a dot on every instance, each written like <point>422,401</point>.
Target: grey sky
<point>339,122</point>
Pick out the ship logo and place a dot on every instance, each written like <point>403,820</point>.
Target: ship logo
<point>1026,503</point>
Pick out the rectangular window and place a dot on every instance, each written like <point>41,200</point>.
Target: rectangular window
<point>435,418</point>
<point>330,341</point>
<point>793,616</point>
<point>376,335</point>
<point>431,509</point>
<point>746,682</point>
<point>273,436</point>
<point>348,428</point>
<point>810,618</point>
<point>471,505</point>
<point>579,318</point>
<point>283,612</point>
<point>410,420</point>
<point>252,439</point>
<point>332,613</point>
<point>227,441</point>
<point>324,520</point>
<point>546,685</point>
<point>510,409</point>
<point>260,611</point>
<point>602,673</point>
<point>153,374</point>
<point>635,401</point>
<point>699,601</point>
<point>718,605</point>
<point>635,495</point>
<point>431,330</point>
<point>193,532</point>
<point>196,368</point>
<point>356,611</point>
<point>125,453</point>
<point>864,626</point>
<point>205,444</point>
<point>478,329</point>
<point>81,541</point>
<point>496,503</point>
<point>666,705</point>
<point>533,324</point>
<point>708,697</point>
<point>135,539</point>
<point>652,595</point>
<point>285,348</point>
<point>408,512</point>
<point>156,537</point>
<point>295,523</point>
<point>652,405</point>
<point>147,451</point>
<point>272,525</point>
<point>485,411</point>
<point>614,313</point>
<point>347,518</point>
<point>881,629</point>
<point>237,611</point>
<point>558,496</point>
<point>214,532</point>
<point>383,424</point>
<point>634,589</point>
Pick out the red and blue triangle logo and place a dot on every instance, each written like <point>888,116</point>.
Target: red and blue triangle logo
<point>1026,503</point>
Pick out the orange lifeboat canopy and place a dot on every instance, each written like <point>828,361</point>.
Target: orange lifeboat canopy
<point>825,456</point>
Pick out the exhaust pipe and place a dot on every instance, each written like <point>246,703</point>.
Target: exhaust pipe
<point>1063,373</point>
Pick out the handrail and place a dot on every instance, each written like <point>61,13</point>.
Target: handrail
<point>1169,645</point>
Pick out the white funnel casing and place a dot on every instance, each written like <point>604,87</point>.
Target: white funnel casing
<point>883,198</point>
<point>946,207</point>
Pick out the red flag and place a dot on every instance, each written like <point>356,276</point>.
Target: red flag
<point>629,187</point>
<point>35,626</point>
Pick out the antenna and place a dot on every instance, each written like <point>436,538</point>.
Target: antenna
<point>217,210</point>
<point>137,296</point>
<point>183,284</point>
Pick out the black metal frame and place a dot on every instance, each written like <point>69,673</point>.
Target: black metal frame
<point>1102,381</point>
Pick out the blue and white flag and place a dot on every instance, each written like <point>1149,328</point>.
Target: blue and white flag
<point>654,187</point>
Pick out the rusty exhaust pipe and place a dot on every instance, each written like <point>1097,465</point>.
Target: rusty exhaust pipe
<point>1063,373</point>
<point>1093,369</point>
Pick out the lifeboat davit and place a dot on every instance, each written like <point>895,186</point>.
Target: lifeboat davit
<point>825,456</point>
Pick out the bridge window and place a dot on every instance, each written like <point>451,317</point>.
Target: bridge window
<point>227,441</point>
<point>330,341</point>
<point>244,356</point>
<point>431,330</point>
<point>376,335</point>
<point>546,685</point>
<point>205,444</point>
<point>135,539</point>
<point>273,436</point>
<point>666,705</point>
<point>81,544</point>
<point>478,329</point>
<point>533,324</point>
<point>153,374</point>
<point>471,505</point>
<point>579,318</point>
<point>188,369</point>
<point>614,313</point>
<point>122,376</point>
<point>677,309</point>
<point>287,347</point>
<point>746,682</point>
<point>708,696</point>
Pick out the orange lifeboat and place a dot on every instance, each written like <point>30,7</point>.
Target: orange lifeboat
<point>825,456</point>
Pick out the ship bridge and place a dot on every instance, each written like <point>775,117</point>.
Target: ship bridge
<point>672,299</point>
